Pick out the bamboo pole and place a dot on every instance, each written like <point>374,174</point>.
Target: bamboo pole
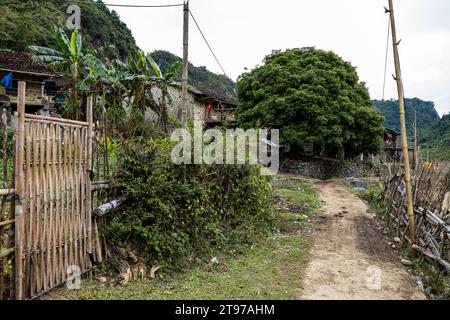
<point>416,153</point>
<point>105,146</point>
<point>398,78</point>
<point>34,214</point>
<point>5,148</point>
<point>29,210</point>
<point>19,184</point>
<point>89,118</point>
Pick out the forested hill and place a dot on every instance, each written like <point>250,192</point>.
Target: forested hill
<point>27,22</point>
<point>199,76</point>
<point>24,23</point>
<point>427,115</point>
<point>437,139</point>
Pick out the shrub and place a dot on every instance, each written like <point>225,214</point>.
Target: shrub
<point>176,213</point>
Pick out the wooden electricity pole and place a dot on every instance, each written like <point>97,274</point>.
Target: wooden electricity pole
<point>401,100</point>
<point>183,111</point>
<point>416,153</point>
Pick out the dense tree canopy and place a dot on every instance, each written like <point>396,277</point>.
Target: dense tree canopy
<point>312,96</point>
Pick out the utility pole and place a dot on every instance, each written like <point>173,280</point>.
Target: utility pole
<point>401,100</point>
<point>183,111</point>
<point>416,153</point>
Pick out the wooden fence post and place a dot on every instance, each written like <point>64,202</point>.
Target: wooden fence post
<point>89,119</point>
<point>19,186</point>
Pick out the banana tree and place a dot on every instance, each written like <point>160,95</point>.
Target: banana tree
<point>146,73</point>
<point>67,59</point>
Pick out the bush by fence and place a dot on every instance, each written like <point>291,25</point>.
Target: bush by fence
<point>176,213</point>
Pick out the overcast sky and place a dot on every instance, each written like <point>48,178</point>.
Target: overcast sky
<point>243,32</point>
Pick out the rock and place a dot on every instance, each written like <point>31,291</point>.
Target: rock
<point>397,240</point>
<point>406,262</point>
<point>393,246</point>
<point>215,260</point>
<point>418,282</point>
<point>102,279</point>
<point>305,207</point>
<point>357,184</point>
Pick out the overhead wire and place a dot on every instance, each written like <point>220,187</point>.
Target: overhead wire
<point>207,43</point>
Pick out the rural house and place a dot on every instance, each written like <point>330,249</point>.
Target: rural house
<point>17,66</point>
<point>206,106</point>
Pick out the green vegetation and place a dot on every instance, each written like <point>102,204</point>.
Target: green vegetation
<point>198,76</point>
<point>271,268</point>
<point>427,115</point>
<point>437,284</point>
<point>313,96</point>
<point>437,139</point>
<point>374,196</point>
<point>28,22</point>
<point>177,213</point>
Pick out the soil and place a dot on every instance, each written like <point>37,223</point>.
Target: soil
<point>350,258</point>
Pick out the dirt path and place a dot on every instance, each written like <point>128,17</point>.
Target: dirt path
<point>351,258</point>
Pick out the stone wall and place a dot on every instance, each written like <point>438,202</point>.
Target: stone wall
<point>326,169</point>
<point>174,104</point>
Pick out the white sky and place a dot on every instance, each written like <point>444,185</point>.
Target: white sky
<point>243,32</point>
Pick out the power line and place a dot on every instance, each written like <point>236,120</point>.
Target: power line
<point>386,59</point>
<point>207,43</point>
<point>127,5</point>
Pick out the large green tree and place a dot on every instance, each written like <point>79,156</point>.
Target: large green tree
<point>314,96</point>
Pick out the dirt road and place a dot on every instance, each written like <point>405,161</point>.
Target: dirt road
<point>351,258</point>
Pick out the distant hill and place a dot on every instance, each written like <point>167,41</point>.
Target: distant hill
<point>198,76</point>
<point>24,23</point>
<point>427,115</point>
<point>437,139</point>
<point>28,22</point>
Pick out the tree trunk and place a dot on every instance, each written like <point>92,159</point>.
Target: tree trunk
<point>323,150</point>
<point>341,153</point>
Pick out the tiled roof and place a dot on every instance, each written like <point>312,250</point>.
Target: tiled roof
<point>21,62</point>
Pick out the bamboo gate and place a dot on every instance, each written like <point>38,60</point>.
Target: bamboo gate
<point>54,236</point>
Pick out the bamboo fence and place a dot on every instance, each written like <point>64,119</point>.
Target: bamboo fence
<point>431,195</point>
<point>49,228</point>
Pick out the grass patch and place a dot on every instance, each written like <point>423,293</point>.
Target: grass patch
<point>271,269</point>
<point>437,284</point>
